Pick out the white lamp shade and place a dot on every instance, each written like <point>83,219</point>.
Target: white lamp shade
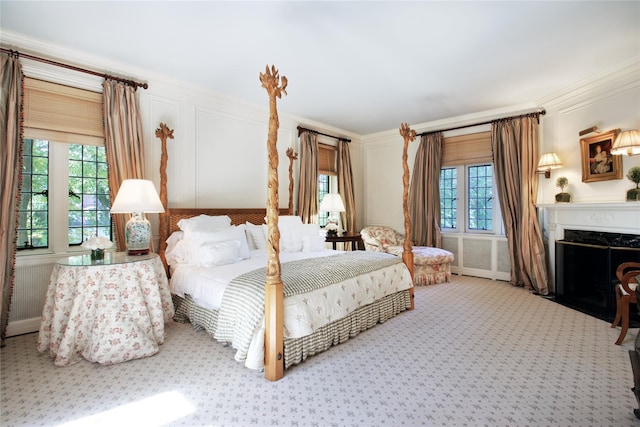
<point>627,142</point>
<point>332,202</point>
<point>549,161</point>
<point>137,195</point>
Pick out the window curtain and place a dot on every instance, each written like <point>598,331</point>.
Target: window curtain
<point>424,193</point>
<point>308,186</point>
<point>11,172</point>
<point>345,187</point>
<point>515,156</point>
<point>123,143</point>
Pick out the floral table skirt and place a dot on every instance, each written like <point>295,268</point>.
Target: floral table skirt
<point>105,313</point>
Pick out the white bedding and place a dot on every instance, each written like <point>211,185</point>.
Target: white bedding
<point>304,313</point>
<point>206,284</point>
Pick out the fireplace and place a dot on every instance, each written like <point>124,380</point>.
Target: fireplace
<point>586,263</point>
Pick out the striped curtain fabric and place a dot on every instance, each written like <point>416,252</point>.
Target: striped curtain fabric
<point>308,186</point>
<point>345,187</point>
<point>424,192</point>
<point>515,157</point>
<point>11,78</point>
<point>123,143</point>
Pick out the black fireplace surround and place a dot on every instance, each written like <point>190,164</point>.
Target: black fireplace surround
<point>586,263</point>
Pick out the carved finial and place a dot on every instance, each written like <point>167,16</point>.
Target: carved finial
<point>292,154</point>
<point>270,80</point>
<point>407,133</point>
<point>164,131</point>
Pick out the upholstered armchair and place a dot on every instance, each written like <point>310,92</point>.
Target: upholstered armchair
<point>430,265</point>
<point>379,238</point>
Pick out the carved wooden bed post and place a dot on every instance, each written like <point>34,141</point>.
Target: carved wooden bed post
<point>163,132</point>
<point>292,155</point>
<point>274,288</point>
<point>407,254</point>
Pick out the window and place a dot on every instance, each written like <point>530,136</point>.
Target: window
<point>84,207</point>
<point>89,201</point>
<point>468,201</point>
<point>479,198</point>
<point>448,198</point>
<point>323,188</point>
<point>467,185</point>
<point>327,180</point>
<point>33,220</point>
<point>65,191</point>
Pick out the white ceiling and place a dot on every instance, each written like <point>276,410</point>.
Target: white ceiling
<point>359,66</point>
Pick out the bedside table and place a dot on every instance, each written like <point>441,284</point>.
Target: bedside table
<point>355,239</point>
<point>106,311</point>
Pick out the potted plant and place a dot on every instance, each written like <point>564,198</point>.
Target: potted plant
<point>633,174</point>
<point>562,197</point>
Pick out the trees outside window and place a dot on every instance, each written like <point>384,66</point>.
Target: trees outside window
<point>468,201</point>
<point>73,195</point>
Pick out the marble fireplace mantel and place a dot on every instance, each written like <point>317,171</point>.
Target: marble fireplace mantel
<point>610,217</point>
<point>623,217</point>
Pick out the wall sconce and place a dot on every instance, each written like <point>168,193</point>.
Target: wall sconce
<point>137,196</point>
<point>627,142</point>
<point>547,162</point>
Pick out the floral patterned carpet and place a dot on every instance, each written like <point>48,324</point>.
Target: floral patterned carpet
<point>473,352</point>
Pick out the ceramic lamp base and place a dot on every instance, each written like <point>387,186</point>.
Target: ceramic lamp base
<point>138,235</point>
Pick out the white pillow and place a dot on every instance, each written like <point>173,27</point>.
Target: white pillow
<point>217,253</point>
<point>291,237</point>
<point>170,253</point>
<point>287,220</point>
<point>232,233</point>
<point>255,236</point>
<point>174,253</point>
<point>313,243</point>
<point>205,223</point>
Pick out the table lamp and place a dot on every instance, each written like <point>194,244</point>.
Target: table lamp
<point>332,203</point>
<point>137,196</point>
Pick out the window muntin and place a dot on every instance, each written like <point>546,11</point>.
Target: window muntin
<point>86,203</point>
<point>467,200</point>
<point>33,213</point>
<point>324,186</point>
<point>448,198</point>
<point>89,201</point>
<point>479,198</point>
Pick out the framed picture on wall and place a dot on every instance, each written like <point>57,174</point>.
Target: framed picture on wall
<point>598,164</point>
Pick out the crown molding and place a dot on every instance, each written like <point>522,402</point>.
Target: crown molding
<point>617,79</point>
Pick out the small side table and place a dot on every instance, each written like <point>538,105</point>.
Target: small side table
<point>106,311</point>
<point>355,239</point>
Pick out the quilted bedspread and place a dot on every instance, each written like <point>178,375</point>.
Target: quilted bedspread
<point>362,278</point>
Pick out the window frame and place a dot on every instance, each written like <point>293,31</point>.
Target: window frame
<point>58,204</point>
<point>332,181</point>
<point>462,208</point>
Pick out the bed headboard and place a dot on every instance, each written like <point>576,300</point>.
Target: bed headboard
<point>238,215</point>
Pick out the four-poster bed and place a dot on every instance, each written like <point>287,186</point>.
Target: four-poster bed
<point>334,295</point>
